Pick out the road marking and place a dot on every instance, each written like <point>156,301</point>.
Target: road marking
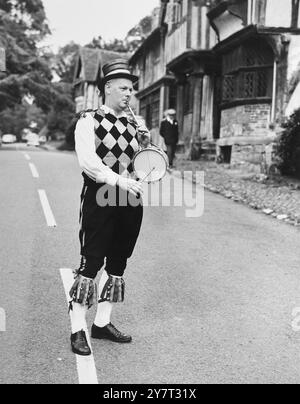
<point>47,209</point>
<point>86,368</point>
<point>34,171</point>
<point>2,320</point>
<point>27,156</point>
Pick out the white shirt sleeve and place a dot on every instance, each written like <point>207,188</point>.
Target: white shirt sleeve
<point>89,161</point>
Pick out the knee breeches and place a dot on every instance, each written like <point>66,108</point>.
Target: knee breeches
<point>107,232</point>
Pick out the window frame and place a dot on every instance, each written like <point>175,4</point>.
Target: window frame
<point>150,108</point>
<point>238,71</point>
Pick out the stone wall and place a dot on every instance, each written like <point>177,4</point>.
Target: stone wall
<point>245,120</point>
<point>246,130</point>
<point>251,156</point>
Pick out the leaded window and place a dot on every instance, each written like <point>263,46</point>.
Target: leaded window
<point>248,73</point>
<point>149,109</point>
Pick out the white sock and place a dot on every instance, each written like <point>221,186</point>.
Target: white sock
<point>78,315</point>
<point>104,309</point>
<point>103,315</point>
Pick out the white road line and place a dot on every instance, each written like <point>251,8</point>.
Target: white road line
<point>27,156</point>
<point>47,209</point>
<point>2,320</point>
<point>86,368</point>
<point>34,171</point>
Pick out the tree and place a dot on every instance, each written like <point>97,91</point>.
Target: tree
<point>22,25</point>
<point>62,111</point>
<point>116,45</point>
<point>130,43</point>
<point>137,34</point>
<point>65,61</point>
<point>289,146</point>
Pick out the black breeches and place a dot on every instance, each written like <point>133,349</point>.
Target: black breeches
<point>107,232</point>
<point>171,150</point>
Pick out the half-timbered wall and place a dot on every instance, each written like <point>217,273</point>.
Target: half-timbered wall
<point>176,42</point>
<point>293,56</point>
<point>189,30</point>
<point>154,68</point>
<point>268,13</point>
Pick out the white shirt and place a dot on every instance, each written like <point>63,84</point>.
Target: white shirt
<point>172,121</point>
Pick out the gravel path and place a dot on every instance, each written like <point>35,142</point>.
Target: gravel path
<point>278,197</point>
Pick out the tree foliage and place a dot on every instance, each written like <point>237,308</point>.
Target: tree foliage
<point>23,25</point>
<point>65,61</point>
<point>62,110</point>
<point>30,69</point>
<point>289,147</point>
<point>116,45</point>
<point>130,43</point>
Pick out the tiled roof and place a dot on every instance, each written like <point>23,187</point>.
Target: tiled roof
<point>92,61</point>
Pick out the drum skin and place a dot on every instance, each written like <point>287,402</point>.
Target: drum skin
<point>150,164</point>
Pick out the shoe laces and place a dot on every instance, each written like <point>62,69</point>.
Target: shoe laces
<point>82,337</point>
<point>118,333</point>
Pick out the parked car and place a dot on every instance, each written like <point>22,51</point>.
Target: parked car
<point>33,139</point>
<point>8,139</point>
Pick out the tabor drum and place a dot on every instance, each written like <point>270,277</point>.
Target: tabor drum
<point>150,164</point>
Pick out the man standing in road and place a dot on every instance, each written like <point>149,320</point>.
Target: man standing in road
<point>169,131</point>
<point>106,142</point>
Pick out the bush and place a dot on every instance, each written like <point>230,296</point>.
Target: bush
<point>289,146</point>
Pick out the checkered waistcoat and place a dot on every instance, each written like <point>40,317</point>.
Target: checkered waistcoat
<point>116,141</point>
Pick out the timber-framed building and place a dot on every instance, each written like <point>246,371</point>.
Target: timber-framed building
<point>229,69</point>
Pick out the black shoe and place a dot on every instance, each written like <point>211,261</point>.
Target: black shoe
<point>79,344</point>
<point>110,332</point>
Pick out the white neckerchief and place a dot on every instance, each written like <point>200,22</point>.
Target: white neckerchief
<point>108,110</point>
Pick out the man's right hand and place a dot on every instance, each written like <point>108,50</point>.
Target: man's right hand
<point>131,186</point>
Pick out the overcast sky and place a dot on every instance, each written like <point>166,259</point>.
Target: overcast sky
<point>81,20</point>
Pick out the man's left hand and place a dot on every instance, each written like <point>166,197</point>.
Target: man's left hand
<point>144,135</point>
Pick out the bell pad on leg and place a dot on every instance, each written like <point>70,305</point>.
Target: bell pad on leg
<point>113,291</point>
<point>84,291</point>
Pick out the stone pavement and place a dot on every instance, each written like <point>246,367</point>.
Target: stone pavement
<point>278,197</point>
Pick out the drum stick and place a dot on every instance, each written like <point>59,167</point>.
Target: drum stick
<point>143,180</point>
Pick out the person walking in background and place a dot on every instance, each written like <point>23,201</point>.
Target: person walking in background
<point>169,131</point>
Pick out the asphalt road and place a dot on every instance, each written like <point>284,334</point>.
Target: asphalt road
<point>209,299</point>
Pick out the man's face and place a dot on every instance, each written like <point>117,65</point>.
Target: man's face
<point>118,93</point>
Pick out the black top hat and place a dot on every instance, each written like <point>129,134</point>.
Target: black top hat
<point>116,69</point>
